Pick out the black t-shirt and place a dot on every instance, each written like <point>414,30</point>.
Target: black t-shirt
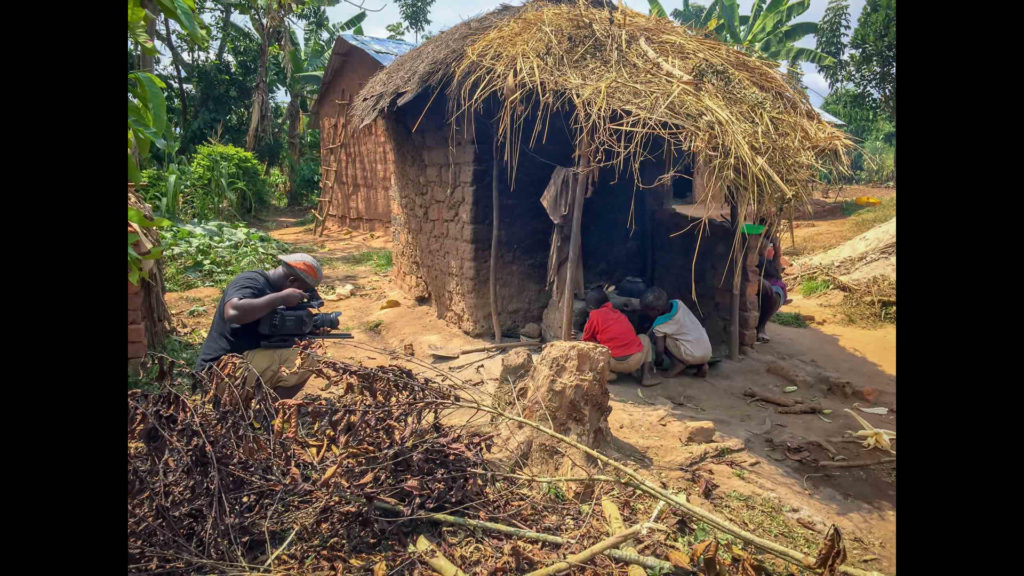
<point>225,339</point>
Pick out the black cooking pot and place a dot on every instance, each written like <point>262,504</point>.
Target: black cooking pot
<point>631,287</point>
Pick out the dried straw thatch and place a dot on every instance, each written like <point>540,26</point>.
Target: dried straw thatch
<point>631,83</point>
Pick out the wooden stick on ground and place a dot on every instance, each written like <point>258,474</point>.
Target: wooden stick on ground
<point>855,463</point>
<point>589,553</point>
<point>642,484</point>
<point>434,558</point>
<point>620,555</point>
<point>772,399</point>
<point>615,525</point>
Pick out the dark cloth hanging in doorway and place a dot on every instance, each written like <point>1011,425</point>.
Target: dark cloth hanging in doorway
<point>557,200</point>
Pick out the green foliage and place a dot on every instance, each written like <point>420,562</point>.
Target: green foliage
<point>277,182</point>
<point>874,160</point>
<point>415,14</point>
<point>373,326</point>
<point>395,31</point>
<point>379,260</point>
<point>879,164</point>
<point>768,31</point>
<point>213,253</point>
<point>873,58</point>
<point>177,350</point>
<point>165,189</point>
<point>791,319</point>
<point>830,40</point>
<point>135,268</point>
<point>813,286</point>
<point>553,491</point>
<point>225,180</point>
<point>147,108</point>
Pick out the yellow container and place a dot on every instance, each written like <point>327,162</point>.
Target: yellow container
<point>867,201</point>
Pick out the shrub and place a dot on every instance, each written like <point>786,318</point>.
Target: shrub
<point>879,164</point>
<point>165,189</point>
<point>278,184</point>
<point>225,179</point>
<point>213,253</point>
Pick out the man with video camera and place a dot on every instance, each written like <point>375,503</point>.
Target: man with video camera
<point>252,297</point>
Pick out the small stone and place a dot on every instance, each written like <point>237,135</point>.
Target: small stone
<point>700,432</point>
<point>390,304</point>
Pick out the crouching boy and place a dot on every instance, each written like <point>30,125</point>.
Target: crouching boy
<point>631,354</point>
<point>678,334</point>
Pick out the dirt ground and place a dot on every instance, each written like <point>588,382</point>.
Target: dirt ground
<point>772,487</point>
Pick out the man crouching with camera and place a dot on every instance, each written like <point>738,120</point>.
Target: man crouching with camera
<point>237,328</point>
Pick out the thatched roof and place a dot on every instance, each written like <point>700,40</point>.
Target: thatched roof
<point>631,83</point>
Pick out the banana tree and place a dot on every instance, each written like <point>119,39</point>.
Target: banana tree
<point>768,31</point>
<point>305,71</point>
<point>147,108</point>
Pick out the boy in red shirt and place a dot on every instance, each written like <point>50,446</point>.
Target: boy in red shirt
<point>611,329</point>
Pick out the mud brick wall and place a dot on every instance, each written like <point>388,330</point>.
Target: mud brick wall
<point>356,165</point>
<point>136,327</point>
<point>749,302</point>
<point>750,282</point>
<point>441,250</point>
<point>682,268</point>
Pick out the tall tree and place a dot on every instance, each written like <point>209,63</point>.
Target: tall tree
<point>416,15</point>
<point>831,40</point>
<point>873,53</point>
<point>304,75</point>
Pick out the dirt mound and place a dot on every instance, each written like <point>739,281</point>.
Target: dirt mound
<point>870,255</point>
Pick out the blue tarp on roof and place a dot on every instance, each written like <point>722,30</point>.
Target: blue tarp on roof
<point>383,50</point>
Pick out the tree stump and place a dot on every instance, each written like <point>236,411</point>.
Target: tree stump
<point>566,391</point>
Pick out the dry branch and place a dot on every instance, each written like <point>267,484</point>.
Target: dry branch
<point>589,553</point>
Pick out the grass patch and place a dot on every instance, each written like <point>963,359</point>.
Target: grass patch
<point>867,217</point>
<point>379,260</point>
<point>813,286</point>
<point>373,326</point>
<point>765,517</point>
<point>789,319</point>
<point>305,221</point>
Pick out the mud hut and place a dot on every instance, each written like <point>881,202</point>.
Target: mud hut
<point>535,151</point>
<point>356,167</point>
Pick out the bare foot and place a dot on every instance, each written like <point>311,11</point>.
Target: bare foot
<point>702,372</point>
<point>612,376</point>
<point>676,370</point>
<point>649,377</point>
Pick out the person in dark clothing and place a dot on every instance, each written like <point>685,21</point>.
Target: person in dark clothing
<point>249,297</point>
<point>773,290</point>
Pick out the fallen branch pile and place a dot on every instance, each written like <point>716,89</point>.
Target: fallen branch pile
<point>369,479</point>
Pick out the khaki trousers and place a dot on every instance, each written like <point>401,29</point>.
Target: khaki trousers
<point>636,361</point>
<point>278,367</point>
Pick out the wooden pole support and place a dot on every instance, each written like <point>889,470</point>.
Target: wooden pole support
<point>494,245</point>
<point>574,244</point>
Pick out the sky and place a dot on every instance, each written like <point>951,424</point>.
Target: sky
<point>447,13</point>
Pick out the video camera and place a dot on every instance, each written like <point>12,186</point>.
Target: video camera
<point>284,326</point>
